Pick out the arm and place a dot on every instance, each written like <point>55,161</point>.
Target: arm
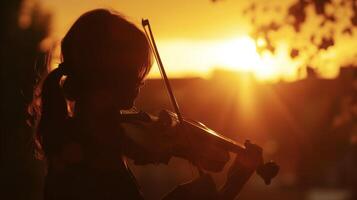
<point>235,183</point>
<point>241,170</point>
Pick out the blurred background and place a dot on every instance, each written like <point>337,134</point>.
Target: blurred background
<point>282,74</point>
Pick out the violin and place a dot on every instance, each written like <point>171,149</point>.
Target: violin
<point>173,135</point>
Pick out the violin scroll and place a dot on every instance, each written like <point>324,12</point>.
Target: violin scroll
<point>268,171</point>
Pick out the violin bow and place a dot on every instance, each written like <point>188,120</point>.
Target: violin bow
<point>150,37</point>
<point>145,22</point>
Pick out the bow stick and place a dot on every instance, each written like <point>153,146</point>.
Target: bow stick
<point>145,23</point>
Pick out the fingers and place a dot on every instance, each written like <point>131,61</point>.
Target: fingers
<point>251,159</point>
<point>165,118</point>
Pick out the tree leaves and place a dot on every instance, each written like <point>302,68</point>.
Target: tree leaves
<point>296,16</point>
<point>326,43</point>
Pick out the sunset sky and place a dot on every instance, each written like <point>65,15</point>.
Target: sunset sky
<point>195,37</point>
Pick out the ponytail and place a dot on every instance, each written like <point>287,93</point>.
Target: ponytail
<point>53,112</point>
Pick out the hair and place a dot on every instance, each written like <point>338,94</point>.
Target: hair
<point>94,41</point>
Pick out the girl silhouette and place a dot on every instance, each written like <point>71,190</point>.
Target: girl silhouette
<point>105,59</point>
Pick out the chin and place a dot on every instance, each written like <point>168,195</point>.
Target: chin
<point>126,105</point>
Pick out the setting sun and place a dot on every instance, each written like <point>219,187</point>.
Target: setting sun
<point>189,58</point>
<point>237,54</point>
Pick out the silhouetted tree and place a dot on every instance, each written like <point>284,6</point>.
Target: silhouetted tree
<point>331,25</point>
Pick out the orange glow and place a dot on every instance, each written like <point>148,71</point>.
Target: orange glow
<point>195,37</point>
